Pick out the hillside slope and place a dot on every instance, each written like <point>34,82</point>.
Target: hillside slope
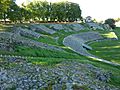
<point>44,63</point>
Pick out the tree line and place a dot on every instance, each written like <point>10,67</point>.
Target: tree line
<point>40,11</point>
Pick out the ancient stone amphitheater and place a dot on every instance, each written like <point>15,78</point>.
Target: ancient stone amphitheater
<point>26,76</point>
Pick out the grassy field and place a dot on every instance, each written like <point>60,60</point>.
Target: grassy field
<point>109,50</point>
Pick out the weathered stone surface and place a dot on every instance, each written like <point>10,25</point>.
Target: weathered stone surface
<point>88,19</point>
<point>16,39</point>
<point>27,32</point>
<point>76,27</point>
<point>86,47</point>
<point>107,27</point>
<point>88,36</point>
<point>67,28</point>
<point>94,26</point>
<point>5,47</point>
<point>75,44</point>
<point>77,41</point>
<point>57,26</point>
<point>33,43</point>
<point>41,28</point>
<point>60,77</point>
<point>5,37</point>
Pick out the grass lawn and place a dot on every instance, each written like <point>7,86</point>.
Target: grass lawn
<point>109,50</point>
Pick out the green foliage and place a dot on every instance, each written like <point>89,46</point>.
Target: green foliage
<point>48,40</point>
<point>14,13</point>
<point>65,11</point>
<point>84,87</point>
<point>4,6</point>
<point>46,61</point>
<point>40,11</point>
<point>110,22</point>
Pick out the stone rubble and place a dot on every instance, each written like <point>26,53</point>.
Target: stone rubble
<point>56,27</point>
<point>5,47</point>
<point>94,26</point>
<point>19,40</point>
<point>76,27</point>
<point>107,27</point>
<point>63,76</point>
<point>41,28</point>
<point>27,32</point>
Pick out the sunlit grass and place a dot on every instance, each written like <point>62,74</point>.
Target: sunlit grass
<point>48,40</point>
<point>111,47</point>
<point>110,35</point>
<point>5,27</point>
<point>108,50</point>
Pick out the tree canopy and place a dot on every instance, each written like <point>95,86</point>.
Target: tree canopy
<point>110,22</point>
<point>40,11</point>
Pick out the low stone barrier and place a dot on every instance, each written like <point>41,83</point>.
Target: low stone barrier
<point>41,28</point>
<point>19,40</point>
<point>27,32</point>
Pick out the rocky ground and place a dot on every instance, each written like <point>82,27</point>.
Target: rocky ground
<point>18,74</point>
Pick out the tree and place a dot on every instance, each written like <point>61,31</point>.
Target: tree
<point>110,22</point>
<point>73,12</point>
<point>39,10</point>
<point>26,13</point>
<point>32,10</point>
<point>16,13</point>
<point>59,11</point>
<point>13,12</point>
<point>4,6</point>
<point>53,11</point>
<point>66,11</point>
<point>45,13</point>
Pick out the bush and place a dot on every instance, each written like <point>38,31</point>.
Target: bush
<point>110,22</point>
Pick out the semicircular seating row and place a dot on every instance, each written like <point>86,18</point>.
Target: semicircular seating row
<point>77,42</point>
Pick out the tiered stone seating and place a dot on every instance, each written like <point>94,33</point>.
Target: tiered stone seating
<point>27,32</point>
<point>19,40</point>
<point>94,26</point>
<point>77,42</point>
<point>76,27</point>
<point>56,27</point>
<point>41,28</point>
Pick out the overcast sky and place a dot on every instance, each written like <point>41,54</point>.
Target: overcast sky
<point>99,9</point>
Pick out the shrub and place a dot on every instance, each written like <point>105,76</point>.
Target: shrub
<point>110,22</point>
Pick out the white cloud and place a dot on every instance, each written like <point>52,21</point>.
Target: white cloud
<point>19,2</point>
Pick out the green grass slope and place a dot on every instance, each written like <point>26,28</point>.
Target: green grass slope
<point>109,50</point>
